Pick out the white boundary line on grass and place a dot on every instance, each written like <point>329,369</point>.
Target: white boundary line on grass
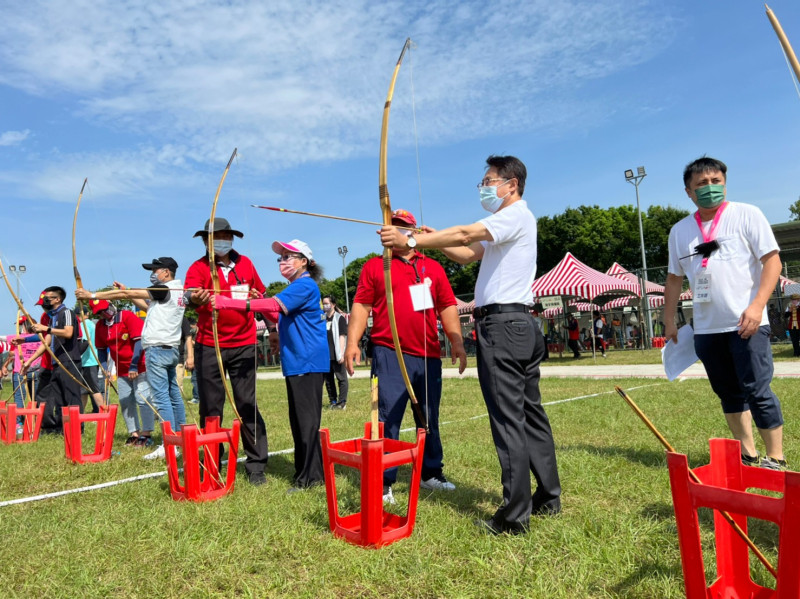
<point>272,453</point>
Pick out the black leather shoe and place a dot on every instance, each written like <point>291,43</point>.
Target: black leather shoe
<point>257,478</point>
<point>492,527</point>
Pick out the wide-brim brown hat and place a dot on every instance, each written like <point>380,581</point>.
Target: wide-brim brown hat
<point>221,225</point>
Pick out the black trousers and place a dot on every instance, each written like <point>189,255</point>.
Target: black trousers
<point>305,413</point>
<point>240,365</point>
<point>337,372</point>
<point>574,345</point>
<point>58,392</point>
<point>794,335</point>
<point>510,348</point>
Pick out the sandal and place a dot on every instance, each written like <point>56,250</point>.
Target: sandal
<point>131,440</point>
<point>143,441</point>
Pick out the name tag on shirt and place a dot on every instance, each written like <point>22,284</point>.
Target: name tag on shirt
<point>421,298</point>
<point>702,289</point>
<point>240,292</point>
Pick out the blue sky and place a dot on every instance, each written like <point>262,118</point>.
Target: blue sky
<point>149,99</point>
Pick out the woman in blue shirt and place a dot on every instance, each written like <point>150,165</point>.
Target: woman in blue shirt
<point>304,351</point>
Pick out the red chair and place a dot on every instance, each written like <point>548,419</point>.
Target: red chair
<point>31,422</point>
<point>725,483</point>
<point>372,526</point>
<point>208,485</point>
<point>73,440</point>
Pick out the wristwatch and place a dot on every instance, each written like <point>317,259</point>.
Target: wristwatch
<point>411,242</point>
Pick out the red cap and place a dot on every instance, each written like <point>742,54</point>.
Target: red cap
<point>98,305</point>
<point>404,216</point>
<point>41,299</point>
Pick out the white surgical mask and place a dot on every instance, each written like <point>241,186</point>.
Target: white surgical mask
<point>489,199</point>
<point>222,246</point>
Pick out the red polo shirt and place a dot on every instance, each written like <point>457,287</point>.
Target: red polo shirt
<point>418,332</point>
<point>47,359</point>
<point>235,328</point>
<point>120,338</point>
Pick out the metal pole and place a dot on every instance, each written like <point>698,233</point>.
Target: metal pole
<point>646,304</point>
<point>343,254</point>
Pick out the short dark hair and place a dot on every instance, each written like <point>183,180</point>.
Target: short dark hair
<point>702,165</point>
<point>58,291</point>
<point>330,297</point>
<point>509,167</point>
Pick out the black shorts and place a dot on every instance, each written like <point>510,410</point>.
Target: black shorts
<point>89,374</point>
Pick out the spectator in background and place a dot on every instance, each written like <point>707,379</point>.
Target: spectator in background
<point>574,335</point>
<point>336,325</point>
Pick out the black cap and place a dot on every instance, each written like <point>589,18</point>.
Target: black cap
<point>221,225</point>
<point>164,262</point>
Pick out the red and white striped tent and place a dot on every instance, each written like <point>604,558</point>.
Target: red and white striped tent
<point>465,307</point>
<point>785,282</point>
<point>571,278</point>
<point>578,305</point>
<point>617,270</point>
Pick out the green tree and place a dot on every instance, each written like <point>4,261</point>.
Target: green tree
<point>794,209</point>
<point>601,236</point>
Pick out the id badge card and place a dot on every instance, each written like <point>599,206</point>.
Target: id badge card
<point>240,292</point>
<point>421,298</point>
<point>702,289</point>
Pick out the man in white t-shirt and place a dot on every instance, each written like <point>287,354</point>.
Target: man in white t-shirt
<point>510,344</point>
<point>161,336</point>
<point>729,254</point>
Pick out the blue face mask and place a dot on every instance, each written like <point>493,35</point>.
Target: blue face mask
<point>154,278</point>
<point>489,199</point>
<point>222,246</point>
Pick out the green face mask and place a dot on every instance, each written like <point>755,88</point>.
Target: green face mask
<point>710,196</point>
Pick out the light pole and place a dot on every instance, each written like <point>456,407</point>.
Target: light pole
<point>18,272</point>
<point>635,180</point>
<point>343,253</point>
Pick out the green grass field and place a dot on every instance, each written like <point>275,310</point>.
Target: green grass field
<point>615,537</point>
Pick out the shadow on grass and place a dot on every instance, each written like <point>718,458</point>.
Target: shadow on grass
<point>465,499</point>
<point>643,575</point>
<point>648,457</point>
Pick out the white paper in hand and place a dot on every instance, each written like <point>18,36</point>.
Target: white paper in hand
<point>677,357</point>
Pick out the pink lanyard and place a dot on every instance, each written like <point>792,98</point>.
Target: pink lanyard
<point>712,229</point>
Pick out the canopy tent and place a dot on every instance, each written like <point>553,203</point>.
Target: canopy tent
<point>617,270</point>
<point>785,282</point>
<point>571,278</point>
<point>465,307</point>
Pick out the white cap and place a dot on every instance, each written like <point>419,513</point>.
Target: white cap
<point>295,245</point>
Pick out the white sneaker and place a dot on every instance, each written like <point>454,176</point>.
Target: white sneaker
<point>437,483</point>
<point>158,454</point>
<point>388,498</point>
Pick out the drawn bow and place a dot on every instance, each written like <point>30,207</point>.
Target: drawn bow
<point>41,337</point>
<point>212,265</point>
<point>787,47</point>
<point>386,208</point>
<point>79,285</point>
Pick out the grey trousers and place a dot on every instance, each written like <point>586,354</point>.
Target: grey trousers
<point>510,348</point>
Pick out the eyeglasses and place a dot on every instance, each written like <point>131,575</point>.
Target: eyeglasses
<point>287,257</point>
<point>487,181</point>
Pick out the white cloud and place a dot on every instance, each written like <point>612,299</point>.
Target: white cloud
<point>292,82</point>
<point>13,138</point>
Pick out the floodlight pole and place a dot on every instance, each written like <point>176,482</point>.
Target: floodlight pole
<point>343,253</point>
<point>18,271</point>
<point>635,180</point>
